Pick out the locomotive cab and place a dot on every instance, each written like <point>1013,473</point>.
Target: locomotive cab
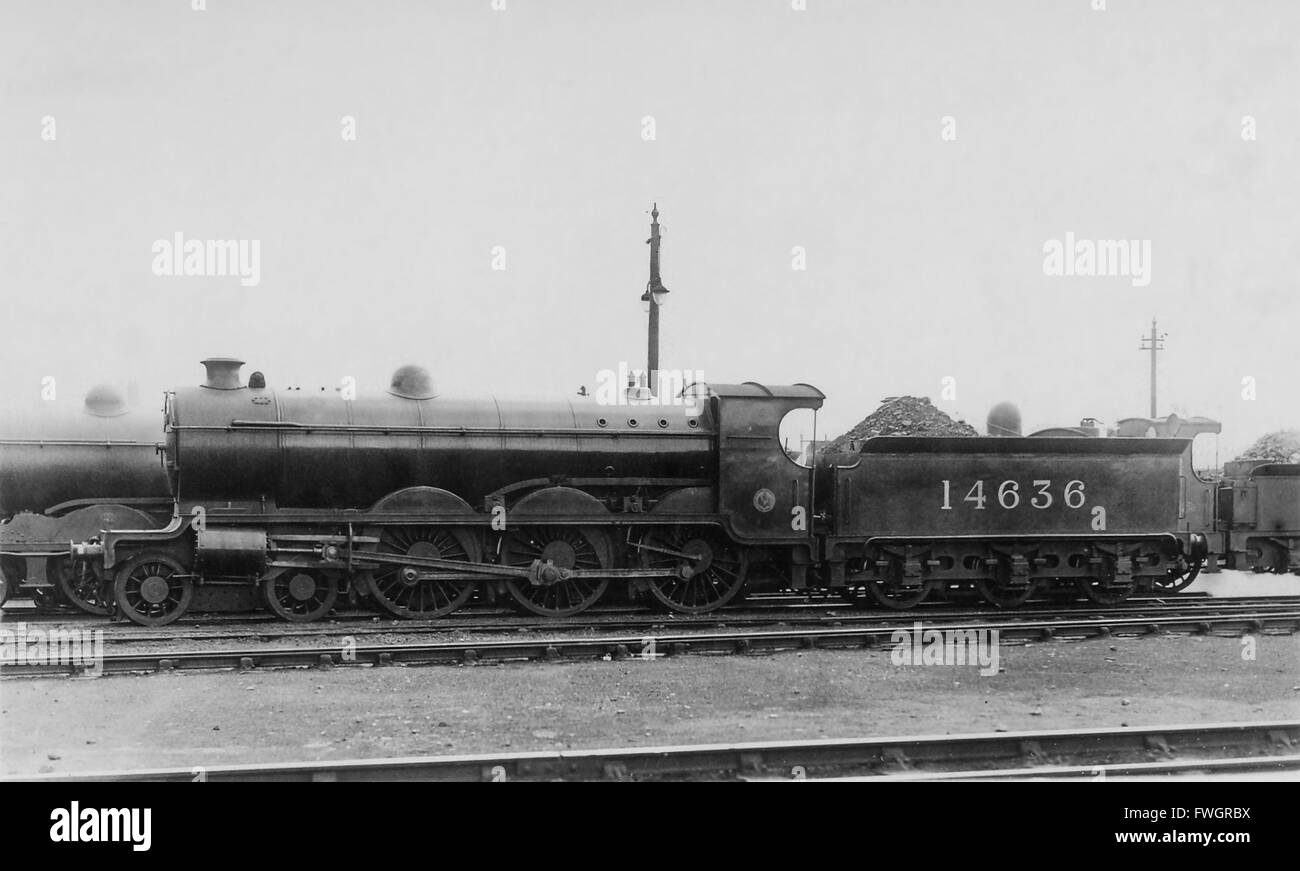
<point>764,495</point>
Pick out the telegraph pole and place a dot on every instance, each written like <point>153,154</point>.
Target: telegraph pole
<point>653,299</point>
<point>1154,343</point>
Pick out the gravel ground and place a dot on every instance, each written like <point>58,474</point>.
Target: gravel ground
<point>183,720</point>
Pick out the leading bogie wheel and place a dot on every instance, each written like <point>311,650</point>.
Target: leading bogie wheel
<point>79,585</point>
<point>300,596</point>
<point>153,588</point>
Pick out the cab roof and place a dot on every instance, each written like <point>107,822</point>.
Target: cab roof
<point>779,391</point>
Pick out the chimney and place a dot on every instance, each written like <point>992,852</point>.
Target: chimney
<point>223,373</point>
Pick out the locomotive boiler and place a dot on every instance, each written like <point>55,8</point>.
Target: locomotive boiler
<point>234,447</point>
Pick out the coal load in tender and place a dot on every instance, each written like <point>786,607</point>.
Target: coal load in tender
<point>1282,446</point>
<point>902,416</point>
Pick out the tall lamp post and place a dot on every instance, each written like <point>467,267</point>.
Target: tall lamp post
<point>1154,343</point>
<point>654,296</point>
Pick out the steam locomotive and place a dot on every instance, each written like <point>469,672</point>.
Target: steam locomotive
<point>420,503</point>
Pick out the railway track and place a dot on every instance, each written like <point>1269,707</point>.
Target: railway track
<point>632,620</point>
<point>654,644</point>
<point>1269,747</point>
<point>24,611</point>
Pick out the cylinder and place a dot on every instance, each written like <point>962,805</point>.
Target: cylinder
<point>231,551</point>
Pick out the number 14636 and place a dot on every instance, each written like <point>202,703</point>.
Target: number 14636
<point>1042,494</point>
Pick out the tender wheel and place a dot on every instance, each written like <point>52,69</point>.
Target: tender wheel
<point>1175,582</point>
<point>1001,593</point>
<point>565,548</point>
<point>153,589</point>
<point>300,596</point>
<point>79,585</point>
<point>710,569</point>
<point>887,592</point>
<point>898,598</point>
<point>402,592</point>
<point>1105,595</point>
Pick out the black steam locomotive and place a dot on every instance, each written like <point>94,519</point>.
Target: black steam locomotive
<point>421,503</point>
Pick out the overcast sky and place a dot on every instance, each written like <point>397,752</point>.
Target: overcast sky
<point>773,128</point>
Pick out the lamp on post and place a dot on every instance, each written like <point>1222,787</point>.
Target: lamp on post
<point>655,295</point>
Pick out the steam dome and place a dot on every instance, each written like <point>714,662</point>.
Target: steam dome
<point>1004,420</point>
<point>412,382</point>
<point>105,400</point>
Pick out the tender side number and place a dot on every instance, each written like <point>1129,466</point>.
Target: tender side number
<point>1008,495</point>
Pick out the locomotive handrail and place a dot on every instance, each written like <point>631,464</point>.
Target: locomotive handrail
<point>380,429</point>
<point>1046,536</point>
<point>74,442</point>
